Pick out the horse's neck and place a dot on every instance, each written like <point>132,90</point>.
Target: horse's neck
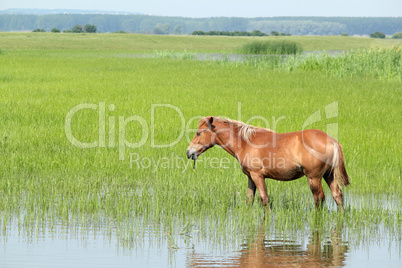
<point>229,139</point>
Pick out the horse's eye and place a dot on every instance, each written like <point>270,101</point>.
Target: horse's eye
<point>198,133</point>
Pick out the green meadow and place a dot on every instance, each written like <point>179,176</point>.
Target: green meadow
<point>139,43</point>
<point>137,115</point>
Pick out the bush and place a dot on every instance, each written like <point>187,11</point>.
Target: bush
<point>77,29</point>
<point>121,32</point>
<point>89,28</point>
<point>344,34</point>
<point>55,30</point>
<point>276,47</point>
<point>397,36</point>
<point>38,31</point>
<point>377,35</point>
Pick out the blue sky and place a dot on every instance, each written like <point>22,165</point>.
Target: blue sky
<point>225,8</point>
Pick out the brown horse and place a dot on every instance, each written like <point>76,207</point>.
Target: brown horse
<point>263,153</point>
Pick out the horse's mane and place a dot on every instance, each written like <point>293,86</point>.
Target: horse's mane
<point>246,131</point>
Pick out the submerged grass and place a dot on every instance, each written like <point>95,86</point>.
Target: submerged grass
<point>45,178</point>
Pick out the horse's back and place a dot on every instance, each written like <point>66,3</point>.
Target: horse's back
<point>288,156</point>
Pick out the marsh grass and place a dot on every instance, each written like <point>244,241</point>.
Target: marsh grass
<point>271,47</point>
<point>383,63</point>
<point>46,181</point>
<point>375,63</point>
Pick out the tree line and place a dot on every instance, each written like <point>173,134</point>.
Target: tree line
<point>242,33</point>
<point>89,28</point>
<point>181,25</point>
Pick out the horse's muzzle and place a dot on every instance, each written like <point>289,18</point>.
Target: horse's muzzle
<point>191,154</point>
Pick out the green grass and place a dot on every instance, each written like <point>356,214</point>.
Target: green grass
<point>146,43</point>
<point>46,179</point>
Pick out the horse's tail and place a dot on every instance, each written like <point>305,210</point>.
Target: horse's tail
<point>338,169</point>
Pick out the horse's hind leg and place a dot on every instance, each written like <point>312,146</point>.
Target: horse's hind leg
<point>250,191</point>
<point>336,191</point>
<point>316,189</point>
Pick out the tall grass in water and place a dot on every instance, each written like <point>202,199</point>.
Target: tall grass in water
<point>375,63</point>
<point>271,47</point>
<point>385,63</point>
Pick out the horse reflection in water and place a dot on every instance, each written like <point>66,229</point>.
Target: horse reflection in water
<point>262,252</point>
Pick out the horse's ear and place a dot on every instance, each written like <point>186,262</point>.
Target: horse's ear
<point>210,121</point>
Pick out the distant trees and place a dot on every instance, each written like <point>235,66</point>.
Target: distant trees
<point>235,33</point>
<point>161,28</point>
<point>55,30</point>
<point>180,25</point>
<point>77,29</point>
<point>38,31</point>
<point>397,36</point>
<point>275,33</point>
<point>178,29</point>
<point>82,29</point>
<point>377,35</point>
<point>258,33</point>
<point>238,33</point>
<point>89,28</point>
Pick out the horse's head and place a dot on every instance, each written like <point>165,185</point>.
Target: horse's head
<point>203,140</point>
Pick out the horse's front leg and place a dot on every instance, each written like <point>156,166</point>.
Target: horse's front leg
<point>250,191</point>
<point>259,181</point>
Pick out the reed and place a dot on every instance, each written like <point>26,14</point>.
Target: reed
<point>384,63</point>
<point>271,47</point>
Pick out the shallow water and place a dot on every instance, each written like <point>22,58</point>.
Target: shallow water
<point>75,245</point>
<point>221,56</point>
<point>242,57</point>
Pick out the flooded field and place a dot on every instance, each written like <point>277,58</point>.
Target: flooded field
<point>94,170</point>
<point>105,245</point>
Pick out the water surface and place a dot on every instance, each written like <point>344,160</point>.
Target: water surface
<point>77,245</point>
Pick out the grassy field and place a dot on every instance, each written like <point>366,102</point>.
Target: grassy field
<point>145,43</point>
<point>46,178</point>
